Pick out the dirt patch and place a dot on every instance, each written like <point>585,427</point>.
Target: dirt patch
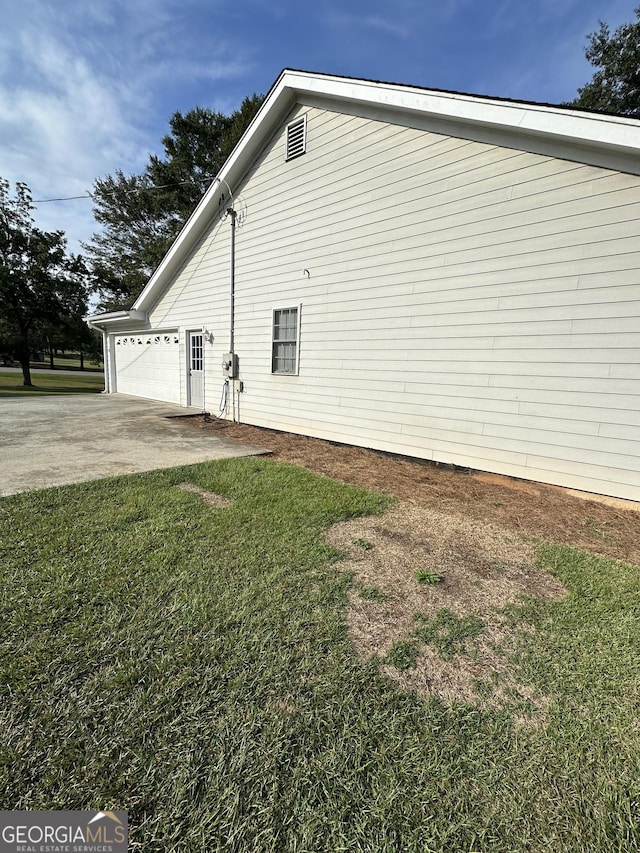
<point>210,498</point>
<point>445,637</point>
<point>520,506</point>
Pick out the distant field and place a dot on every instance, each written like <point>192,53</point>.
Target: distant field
<point>50,383</point>
<point>69,362</point>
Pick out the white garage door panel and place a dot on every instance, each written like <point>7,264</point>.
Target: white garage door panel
<point>148,365</point>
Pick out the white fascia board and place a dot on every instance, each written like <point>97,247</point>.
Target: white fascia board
<point>116,319</point>
<point>278,102</point>
<point>614,134</point>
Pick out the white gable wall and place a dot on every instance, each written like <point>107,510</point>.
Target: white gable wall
<point>465,302</point>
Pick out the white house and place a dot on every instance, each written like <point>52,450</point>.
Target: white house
<point>450,277</point>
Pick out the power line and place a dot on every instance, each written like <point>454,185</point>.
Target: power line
<point>126,192</point>
<point>66,198</point>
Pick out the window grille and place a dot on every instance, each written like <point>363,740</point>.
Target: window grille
<point>284,347</point>
<point>197,352</point>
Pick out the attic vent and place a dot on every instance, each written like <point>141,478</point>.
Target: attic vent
<point>297,137</point>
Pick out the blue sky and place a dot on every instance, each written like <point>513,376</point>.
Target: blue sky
<point>88,86</point>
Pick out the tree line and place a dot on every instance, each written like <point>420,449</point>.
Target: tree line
<point>45,291</point>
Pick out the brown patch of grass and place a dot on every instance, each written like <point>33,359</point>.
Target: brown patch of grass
<point>482,567</point>
<point>512,508</point>
<point>210,498</point>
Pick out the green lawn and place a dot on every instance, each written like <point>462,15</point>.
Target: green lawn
<point>50,383</point>
<point>190,664</point>
<point>69,361</point>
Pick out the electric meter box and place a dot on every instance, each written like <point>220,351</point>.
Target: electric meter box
<point>230,365</point>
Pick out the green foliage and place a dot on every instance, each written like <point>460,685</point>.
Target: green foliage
<point>363,543</point>
<point>403,655</point>
<point>141,215</point>
<point>427,576</point>
<point>615,86</point>
<point>42,289</point>
<point>447,632</point>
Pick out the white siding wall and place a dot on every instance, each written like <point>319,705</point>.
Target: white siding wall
<point>466,303</point>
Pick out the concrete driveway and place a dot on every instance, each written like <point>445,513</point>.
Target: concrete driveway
<point>52,441</point>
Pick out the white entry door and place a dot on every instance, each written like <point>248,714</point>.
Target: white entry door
<point>195,356</point>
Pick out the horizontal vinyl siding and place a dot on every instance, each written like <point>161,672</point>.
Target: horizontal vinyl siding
<point>464,302</point>
<point>199,298</point>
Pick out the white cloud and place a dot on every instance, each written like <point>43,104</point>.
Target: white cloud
<point>81,85</point>
<point>87,86</point>
<point>183,69</point>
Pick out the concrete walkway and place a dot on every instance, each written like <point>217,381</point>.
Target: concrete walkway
<point>52,441</point>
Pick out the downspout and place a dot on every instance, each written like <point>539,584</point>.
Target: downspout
<point>232,301</point>
<point>106,362</point>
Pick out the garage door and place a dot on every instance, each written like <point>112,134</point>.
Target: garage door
<point>148,365</point>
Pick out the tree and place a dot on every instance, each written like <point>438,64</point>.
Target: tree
<point>40,285</point>
<point>73,335</point>
<point>615,86</point>
<point>141,215</point>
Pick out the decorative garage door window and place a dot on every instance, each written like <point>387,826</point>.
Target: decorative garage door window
<point>137,340</point>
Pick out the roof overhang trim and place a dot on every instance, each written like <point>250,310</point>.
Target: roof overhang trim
<point>574,129</point>
<point>114,320</point>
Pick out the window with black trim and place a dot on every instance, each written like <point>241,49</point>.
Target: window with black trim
<point>284,340</point>
<point>297,137</point>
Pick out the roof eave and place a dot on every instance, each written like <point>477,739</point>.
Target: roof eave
<point>598,129</point>
<point>216,200</point>
<point>611,134</point>
<point>128,319</point>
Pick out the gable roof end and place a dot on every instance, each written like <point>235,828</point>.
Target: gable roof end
<point>595,138</point>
